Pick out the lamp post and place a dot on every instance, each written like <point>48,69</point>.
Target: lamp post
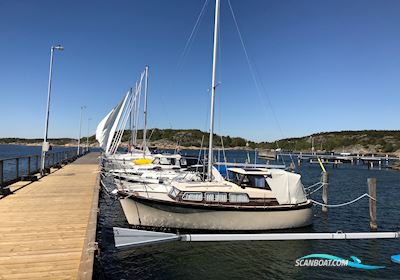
<point>87,137</point>
<point>80,130</point>
<point>46,145</point>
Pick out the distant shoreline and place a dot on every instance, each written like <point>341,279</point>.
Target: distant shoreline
<point>125,145</point>
<point>354,142</point>
<point>170,147</point>
<point>38,144</point>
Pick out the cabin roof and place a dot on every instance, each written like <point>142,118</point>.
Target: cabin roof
<point>250,171</point>
<point>177,156</point>
<point>221,187</point>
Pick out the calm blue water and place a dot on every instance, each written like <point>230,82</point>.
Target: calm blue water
<point>8,152</point>
<point>269,259</point>
<point>262,259</point>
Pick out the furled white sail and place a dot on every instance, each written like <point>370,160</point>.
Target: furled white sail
<point>117,113</point>
<point>106,128</point>
<point>101,131</point>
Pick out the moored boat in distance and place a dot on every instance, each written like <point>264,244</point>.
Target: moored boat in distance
<point>267,154</point>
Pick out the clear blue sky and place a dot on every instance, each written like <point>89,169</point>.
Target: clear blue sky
<point>324,65</point>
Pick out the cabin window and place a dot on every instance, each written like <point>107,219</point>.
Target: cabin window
<point>233,177</point>
<point>216,197</point>
<point>191,161</point>
<point>165,161</point>
<point>183,162</point>
<point>258,181</point>
<point>238,198</point>
<point>193,196</point>
<point>253,181</point>
<point>174,192</point>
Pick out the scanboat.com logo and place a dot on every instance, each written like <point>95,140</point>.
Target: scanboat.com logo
<point>330,260</point>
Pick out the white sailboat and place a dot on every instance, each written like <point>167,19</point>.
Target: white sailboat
<point>137,169</point>
<point>157,176</point>
<point>107,127</point>
<point>152,181</point>
<point>110,130</point>
<point>255,199</point>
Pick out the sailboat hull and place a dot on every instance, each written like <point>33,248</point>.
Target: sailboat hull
<point>150,213</point>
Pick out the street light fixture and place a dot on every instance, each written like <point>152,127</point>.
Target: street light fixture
<point>46,145</point>
<point>59,47</point>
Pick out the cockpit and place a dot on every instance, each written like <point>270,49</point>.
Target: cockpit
<point>251,178</point>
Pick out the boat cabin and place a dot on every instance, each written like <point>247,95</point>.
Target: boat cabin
<point>165,159</point>
<point>249,178</point>
<point>245,186</point>
<point>208,197</point>
<point>175,160</point>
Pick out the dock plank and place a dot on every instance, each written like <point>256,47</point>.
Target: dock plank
<point>45,225</point>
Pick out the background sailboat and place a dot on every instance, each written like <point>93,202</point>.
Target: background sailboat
<point>107,127</point>
<point>110,130</point>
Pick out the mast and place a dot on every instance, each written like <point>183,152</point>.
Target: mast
<point>137,116</point>
<point>213,86</point>
<point>144,146</point>
<point>134,116</point>
<point>131,118</point>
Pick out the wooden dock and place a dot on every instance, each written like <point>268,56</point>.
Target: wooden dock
<point>48,228</point>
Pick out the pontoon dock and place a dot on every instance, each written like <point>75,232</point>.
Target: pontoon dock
<point>48,228</point>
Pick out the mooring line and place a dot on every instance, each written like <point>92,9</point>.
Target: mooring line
<point>313,185</point>
<point>343,204</point>
<point>317,189</point>
<point>105,188</point>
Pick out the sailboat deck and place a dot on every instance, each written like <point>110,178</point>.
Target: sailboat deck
<point>47,228</point>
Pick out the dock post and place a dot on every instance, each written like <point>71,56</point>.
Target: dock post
<point>1,174</point>
<point>292,166</point>
<point>387,160</point>
<point>29,165</point>
<point>16,168</point>
<point>37,163</point>
<point>372,203</point>
<point>325,182</point>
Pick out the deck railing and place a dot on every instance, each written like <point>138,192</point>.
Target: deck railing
<point>16,168</point>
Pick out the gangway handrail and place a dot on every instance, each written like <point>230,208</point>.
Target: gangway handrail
<point>27,165</point>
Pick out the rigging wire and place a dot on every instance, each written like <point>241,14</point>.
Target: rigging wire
<point>183,56</point>
<point>199,157</point>
<point>192,36</point>
<point>259,85</point>
<point>223,153</point>
<point>219,75</point>
<point>186,50</point>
